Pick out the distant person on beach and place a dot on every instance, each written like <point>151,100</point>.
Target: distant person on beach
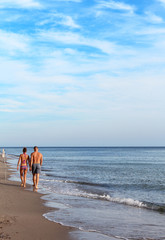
<point>36,163</point>
<point>24,160</point>
<point>3,153</point>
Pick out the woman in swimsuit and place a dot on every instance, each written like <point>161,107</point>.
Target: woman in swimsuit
<point>23,159</point>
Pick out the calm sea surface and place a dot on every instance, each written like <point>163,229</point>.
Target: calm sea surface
<point>108,193</point>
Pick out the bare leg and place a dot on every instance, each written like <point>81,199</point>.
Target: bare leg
<point>21,176</point>
<point>34,180</point>
<point>37,180</point>
<point>25,173</point>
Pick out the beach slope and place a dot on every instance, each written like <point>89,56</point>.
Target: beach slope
<point>21,213</point>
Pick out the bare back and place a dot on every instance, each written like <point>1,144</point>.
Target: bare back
<point>24,158</point>
<point>36,158</point>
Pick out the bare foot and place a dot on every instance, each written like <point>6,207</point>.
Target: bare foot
<point>21,184</point>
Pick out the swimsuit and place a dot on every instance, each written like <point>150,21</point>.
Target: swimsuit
<point>36,168</point>
<point>24,167</point>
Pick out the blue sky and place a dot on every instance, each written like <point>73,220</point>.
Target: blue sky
<point>82,73</point>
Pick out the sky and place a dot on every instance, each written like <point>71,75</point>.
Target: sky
<point>82,72</point>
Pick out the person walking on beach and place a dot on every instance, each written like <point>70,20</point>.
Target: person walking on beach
<point>36,163</point>
<point>3,153</point>
<point>24,160</point>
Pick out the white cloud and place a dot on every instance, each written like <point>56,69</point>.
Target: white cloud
<point>68,21</point>
<point>61,19</point>
<point>116,6</point>
<point>39,93</point>
<point>9,105</point>
<point>69,1</point>
<point>12,42</point>
<point>161,1</point>
<point>12,18</point>
<point>151,17</point>
<point>74,38</point>
<point>19,4</point>
<point>68,77</point>
<point>151,31</point>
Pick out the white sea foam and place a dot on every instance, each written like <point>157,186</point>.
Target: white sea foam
<point>127,201</point>
<point>79,193</point>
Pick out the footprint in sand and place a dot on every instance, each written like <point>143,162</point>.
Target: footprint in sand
<point>4,236</point>
<point>4,220</point>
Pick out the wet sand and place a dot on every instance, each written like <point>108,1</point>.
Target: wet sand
<point>21,213</point>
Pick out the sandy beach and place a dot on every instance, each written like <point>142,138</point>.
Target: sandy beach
<point>21,213</point>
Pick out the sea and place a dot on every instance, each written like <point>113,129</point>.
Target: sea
<point>105,193</point>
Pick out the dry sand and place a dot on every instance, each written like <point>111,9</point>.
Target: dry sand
<point>21,213</point>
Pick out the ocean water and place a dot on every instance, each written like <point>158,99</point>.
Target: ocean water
<point>106,192</point>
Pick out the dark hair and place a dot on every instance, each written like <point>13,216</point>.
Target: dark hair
<point>35,147</point>
<point>24,149</point>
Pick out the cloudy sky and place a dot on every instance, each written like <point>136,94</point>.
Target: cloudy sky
<point>82,72</point>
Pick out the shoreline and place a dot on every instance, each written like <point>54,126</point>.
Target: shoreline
<point>21,212</point>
